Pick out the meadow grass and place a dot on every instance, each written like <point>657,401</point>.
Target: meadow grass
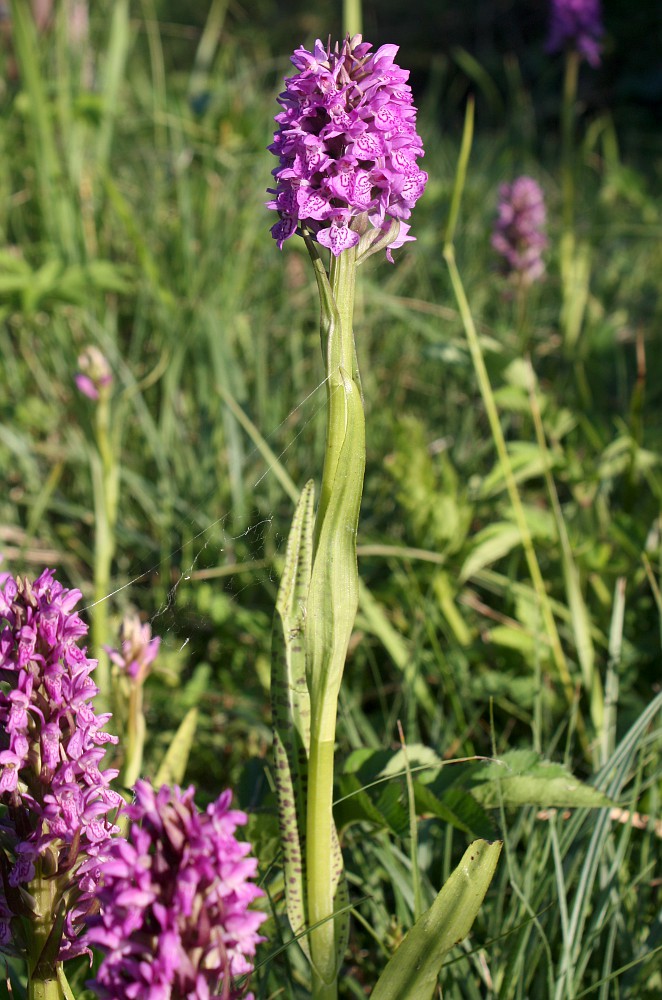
<point>132,218</point>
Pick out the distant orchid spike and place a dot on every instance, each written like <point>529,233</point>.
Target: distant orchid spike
<point>54,798</point>
<point>347,145</point>
<point>138,648</point>
<point>577,25</point>
<point>174,920</point>
<point>95,377</point>
<point>519,235</point>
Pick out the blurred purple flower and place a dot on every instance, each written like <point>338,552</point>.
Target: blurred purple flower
<point>577,25</point>
<point>174,921</point>
<point>347,145</point>
<point>95,376</point>
<point>56,801</point>
<point>519,235</point>
<point>138,650</point>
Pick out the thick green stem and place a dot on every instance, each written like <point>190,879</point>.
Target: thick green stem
<point>332,605</point>
<point>319,866</point>
<point>352,18</point>
<point>43,982</point>
<point>45,989</point>
<point>340,359</point>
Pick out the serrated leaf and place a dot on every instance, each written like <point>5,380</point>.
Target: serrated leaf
<point>356,805</point>
<point>521,778</point>
<point>412,972</point>
<point>457,807</point>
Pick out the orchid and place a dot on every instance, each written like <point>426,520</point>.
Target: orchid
<point>347,146</point>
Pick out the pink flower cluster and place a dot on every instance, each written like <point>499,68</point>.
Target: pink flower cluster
<point>347,146</point>
<point>139,649</point>
<point>95,377</point>
<point>55,799</point>
<point>174,921</point>
<point>519,235</point>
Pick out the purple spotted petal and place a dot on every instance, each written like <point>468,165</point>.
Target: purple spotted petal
<point>337,238</point>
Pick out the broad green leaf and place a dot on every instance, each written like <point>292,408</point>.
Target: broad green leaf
<point>333,597</point>
<point>490,544</point>
<point>413,971</point>
<point>511,637</point>
<point>456,806</point>
<point>381,805</point>
<point>527,462</point>
<point>521,778</point>
<point>370,765</point>
<point>173,765</point>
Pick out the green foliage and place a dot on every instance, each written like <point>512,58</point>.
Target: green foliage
<point>133,180</point>
<point>413,971</point>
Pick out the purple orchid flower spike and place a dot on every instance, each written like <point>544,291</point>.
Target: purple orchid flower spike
<point>576,24</point>
<point>519,235</point>
<point>58,804</point>
<point>138,648</point>
<point>95,377</point>
<point>347,146</point>
<point>175,920</point>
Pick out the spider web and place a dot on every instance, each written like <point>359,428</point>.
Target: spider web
<point>167,618</point>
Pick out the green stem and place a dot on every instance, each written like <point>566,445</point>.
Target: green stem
<point>319,873</point>
<point>570,79</point>
<point>43,981</point>
<point>45,989</point>
<point>352,18</point>
<point>507,472</point>
<point>340,357</point>
<point>105,476</point>
<point>494,421</point>
<point>331,609</point>
<point>135,736</point>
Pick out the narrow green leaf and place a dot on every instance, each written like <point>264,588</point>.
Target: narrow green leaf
<point>173,765</point>
<point>413,970</point>
<point>290,706</point>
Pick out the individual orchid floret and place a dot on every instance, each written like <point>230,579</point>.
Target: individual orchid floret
<point>56,804</point>
<point>175,921</point>
<point>95,377</point>
<point>347,146</point>
<point>138,648</point>
<point>576,25</point>
<point>519,235</point>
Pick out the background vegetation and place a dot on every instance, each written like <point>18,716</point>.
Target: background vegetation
<point>132,185</point>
